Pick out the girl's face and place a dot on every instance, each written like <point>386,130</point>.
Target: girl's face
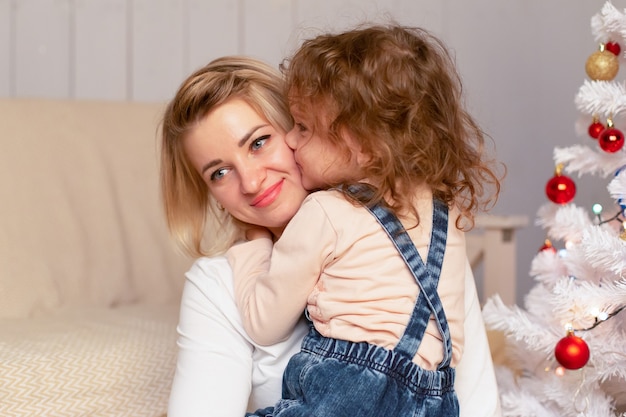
<point>247,165</point>
<point>321,163</point>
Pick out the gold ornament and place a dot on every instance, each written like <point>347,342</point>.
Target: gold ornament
<point>602,65</point>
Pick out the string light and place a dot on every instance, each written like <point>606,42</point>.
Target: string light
<point>597,209</point>
<point>598,314</point>
<point>615,217</point>
<point>599,317</point>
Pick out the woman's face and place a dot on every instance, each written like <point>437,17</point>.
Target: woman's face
<point>247,165</point>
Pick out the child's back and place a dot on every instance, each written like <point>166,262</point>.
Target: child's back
<point>365,292</point>
<point>378,115</point>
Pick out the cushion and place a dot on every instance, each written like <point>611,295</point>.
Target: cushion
<point>81,222</point>
<point>89,362</point>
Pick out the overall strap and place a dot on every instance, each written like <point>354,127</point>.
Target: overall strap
<point>426,276</point>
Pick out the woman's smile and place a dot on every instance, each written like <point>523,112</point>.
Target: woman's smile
<point>268,196</point>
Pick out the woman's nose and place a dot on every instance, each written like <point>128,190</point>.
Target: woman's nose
<point>252,178</point>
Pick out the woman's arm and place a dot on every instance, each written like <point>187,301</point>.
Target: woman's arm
<point>214,366</point>
<point>220,371</point>
<point>475,379</point>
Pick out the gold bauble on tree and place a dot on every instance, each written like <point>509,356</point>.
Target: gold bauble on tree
<point>602,65</point>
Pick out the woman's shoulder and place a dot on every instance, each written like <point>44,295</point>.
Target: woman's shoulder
<point>208,296</point>
<point>211,275</point>
<point>216,263</point>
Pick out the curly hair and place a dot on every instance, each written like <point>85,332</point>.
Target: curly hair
<point>190,210</point>
<point>396,90</point>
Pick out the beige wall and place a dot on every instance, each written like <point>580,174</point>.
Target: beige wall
<point>522,62</point>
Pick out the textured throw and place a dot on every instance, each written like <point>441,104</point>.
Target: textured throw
<point>100,362</point>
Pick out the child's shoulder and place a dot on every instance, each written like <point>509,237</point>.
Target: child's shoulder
<point>324,197</point>
<point>333,202</point>
<point>335,208</point>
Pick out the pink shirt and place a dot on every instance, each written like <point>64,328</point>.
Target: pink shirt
<point>336,260</point>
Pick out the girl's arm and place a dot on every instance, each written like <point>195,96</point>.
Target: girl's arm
<point>273,281</point>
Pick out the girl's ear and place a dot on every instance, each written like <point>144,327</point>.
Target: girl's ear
<point>362,158</point>
<point>357,149</point>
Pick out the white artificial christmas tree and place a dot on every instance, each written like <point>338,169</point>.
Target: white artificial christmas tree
<point>566,349</point>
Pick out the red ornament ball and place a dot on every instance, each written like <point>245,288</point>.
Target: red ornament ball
<point>611,140</point>
<point>547,245</point>
<point>560,189</point>
<point>572,352</point>
<point>595,129</point>
<point>613,47</point>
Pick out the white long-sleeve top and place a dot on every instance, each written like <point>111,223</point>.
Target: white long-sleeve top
<point>221,372</point>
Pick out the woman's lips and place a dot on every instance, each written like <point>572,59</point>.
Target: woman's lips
<point>269,196</point>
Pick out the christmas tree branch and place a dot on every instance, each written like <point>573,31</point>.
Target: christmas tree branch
<point>606,98</point>
<point>584,160</point>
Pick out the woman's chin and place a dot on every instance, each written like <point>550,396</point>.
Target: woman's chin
<point>312,186</point>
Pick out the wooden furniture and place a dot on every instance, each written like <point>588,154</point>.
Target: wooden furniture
<point>492,252</point>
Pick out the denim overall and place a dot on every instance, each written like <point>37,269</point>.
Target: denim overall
<point>338,378</point>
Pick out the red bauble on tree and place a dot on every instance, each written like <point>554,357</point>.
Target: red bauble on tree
<point>611,140</point>
<point>613,47</point>
<point>572,352</point>
<point>595,128</point>
<point>547,245</point>
<point>560,189</point>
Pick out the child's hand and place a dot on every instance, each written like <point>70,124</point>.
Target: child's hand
<point>257,232</point>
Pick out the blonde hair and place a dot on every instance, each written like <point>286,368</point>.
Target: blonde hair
<point>193,217</point>
<point>395,89</point>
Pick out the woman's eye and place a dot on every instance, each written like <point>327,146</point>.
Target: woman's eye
<point>259,142</point>
<point>218,174</point>
<point>301,127</point>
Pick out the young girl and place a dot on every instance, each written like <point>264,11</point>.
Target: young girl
<point>380,125</point>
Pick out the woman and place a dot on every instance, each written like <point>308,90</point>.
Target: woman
<point>220,370</point>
